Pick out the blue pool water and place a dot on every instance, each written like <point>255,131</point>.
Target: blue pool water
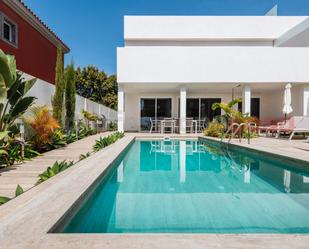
<point>195,187</point>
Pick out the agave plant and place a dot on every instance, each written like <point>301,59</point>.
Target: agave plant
<point>84,156</point>
<point>13,88</point>
<point>105,141</point>
<point>54,170</point>
<point>19,190</point>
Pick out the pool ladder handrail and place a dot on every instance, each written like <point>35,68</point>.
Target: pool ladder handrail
<point>248,125</point>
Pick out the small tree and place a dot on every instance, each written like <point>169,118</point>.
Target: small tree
<point>229,111</point>
<point>70,91</point>
<point>110,91</point>
<point>90,83</point>
<point>57,100</point>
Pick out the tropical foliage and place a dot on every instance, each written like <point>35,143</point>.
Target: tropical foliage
<point>84,156</point>
<point>13,104</point>
<point>229,111</point>
<point>70,99</point>
<point>89,116</point>
<point>110,92</point>
<point>57,100</point>
<point>112,126</point>
<point>95,85</point>
<point>105,141</point>
<point>13,89</point>
<point>19,190</point>
<point>54,170</point>
<point>230,115</point>
<point>214,129</point>
<point>42,126</point>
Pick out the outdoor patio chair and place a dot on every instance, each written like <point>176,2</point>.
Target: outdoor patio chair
<point>168,123</point>
<point>189,124</point>
<point>201,125</point>
<point>154,125</point>
<point>270,129</point>
<point>176,125</point>
<point>296,124</point>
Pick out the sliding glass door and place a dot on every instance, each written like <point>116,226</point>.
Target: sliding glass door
<point>164,108</point>
<point>200,108</point>
<point>193,108</point>
<point>147,112</point>
<point>154,109</point>
<point>206,110</point>
<point>254,108</point>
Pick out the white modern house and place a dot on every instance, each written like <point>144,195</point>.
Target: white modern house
<point>177,66</point>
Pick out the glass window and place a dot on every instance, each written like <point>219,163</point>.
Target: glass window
<point>155,109</point>
<point>206,110</point>
<point>148,112</point>
<point>164,108</point>
<point>9,31</point>
<point>193,108</point>
<point>254,108</point>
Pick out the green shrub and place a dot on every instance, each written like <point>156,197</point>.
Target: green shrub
<point>12,152</point>
<point>214,129</point>
<point>70,98</point>
<point>58,140</point>
<point>19,190</point>
<point>83,156</point>
<point>89,116</point>
<point>70,137</point>
<point>105,141</point>
<point>58,97</point>
<point>54,170</point>
<point>112,126</point>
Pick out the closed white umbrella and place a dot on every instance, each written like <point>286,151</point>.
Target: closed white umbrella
<point>287,101</point>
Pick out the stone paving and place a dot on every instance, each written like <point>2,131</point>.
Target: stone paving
<point>297,148</point>
<point>26,174</point>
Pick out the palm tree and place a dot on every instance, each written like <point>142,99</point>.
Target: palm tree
<point>229,111</point>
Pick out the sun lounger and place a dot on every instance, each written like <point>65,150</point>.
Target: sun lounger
<point>296,124</point>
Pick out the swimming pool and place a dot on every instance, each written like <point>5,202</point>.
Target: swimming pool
<point>194,187</point>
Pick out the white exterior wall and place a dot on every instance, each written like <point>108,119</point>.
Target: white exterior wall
<point>208,27</point>
<point>44,91</point>
<point>207,64</point>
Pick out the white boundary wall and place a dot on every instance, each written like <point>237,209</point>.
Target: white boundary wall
<point>44,92</point>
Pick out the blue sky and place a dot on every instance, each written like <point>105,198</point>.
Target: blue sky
<point>94,28</point>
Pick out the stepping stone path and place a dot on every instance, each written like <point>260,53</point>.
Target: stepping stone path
<point>26,174</point>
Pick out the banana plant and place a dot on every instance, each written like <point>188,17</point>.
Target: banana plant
<point>229,111</point>
<point>13,88</point>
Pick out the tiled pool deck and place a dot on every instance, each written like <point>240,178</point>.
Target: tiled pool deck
<point>26,174</point>
<point>26,220</point>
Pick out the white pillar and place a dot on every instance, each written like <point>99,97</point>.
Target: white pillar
<point>120,109</point>
<point>182,160</point>
<point>306,101</point>
<point>246,100</point>
<point>183,109</point>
